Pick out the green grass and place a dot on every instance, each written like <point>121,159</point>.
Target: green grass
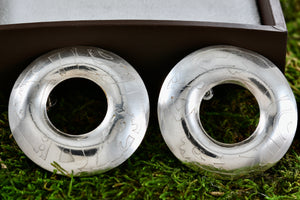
<point>232,115</point>
<point>153,172</point>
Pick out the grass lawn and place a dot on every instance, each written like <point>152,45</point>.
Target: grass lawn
<point>153,172</point>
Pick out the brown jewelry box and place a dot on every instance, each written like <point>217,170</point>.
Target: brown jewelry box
<point>152,47</point>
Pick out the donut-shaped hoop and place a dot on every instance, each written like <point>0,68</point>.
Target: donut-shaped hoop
<point>184,89</point>
<point>105,147</point>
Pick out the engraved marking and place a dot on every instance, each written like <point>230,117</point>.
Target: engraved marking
<point>121,125</point>
<point>193,111</point>
<point>172,82</point>
<point>288,105</point>
<point>116,126</point>
<point>276,144</point>
<point>175,81</point>
<point>75,54</point>
<point>195,143</point>
<point>74,51</point>
<point>128,143</point>
<point>66,157</point>
<point>55,57</point>
<point>177,107</point>
<point>105,55</point>
<point>110,162</point>
<point>184,149</point>
<point>43,149</point>
<point>107,79</point>
<point>126,77</point>
<point>91,167</point>
<point>91,52</point>
<point>21,113</point>
<point>198,154</point>
<point>135,127</point>
<point>234,71</point>
<point>100,54</point>
<point>193,153</point>
<point>246,66</point>
<point>62,72</point>
<point>285,130</point>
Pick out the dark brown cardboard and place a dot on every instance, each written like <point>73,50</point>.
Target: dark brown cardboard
<point>152,47</point>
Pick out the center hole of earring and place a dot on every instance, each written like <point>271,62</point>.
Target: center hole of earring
<point>231,115</point>
<point>76,106</point>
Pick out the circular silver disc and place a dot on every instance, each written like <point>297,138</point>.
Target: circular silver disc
<point>186,86</point>
<point>107,146</point>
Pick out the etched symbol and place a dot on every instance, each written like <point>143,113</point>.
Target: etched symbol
<point>127,143</point>
<point>190,152</point>
<point>43,149</point>
<point>100,54</point>
<point>53,58</point>
<point>135,127</point>
<point>105,55</point>
<point>74,52</point>
<point>175,82</point>
<point>66,157</point>
<point>177,107</point>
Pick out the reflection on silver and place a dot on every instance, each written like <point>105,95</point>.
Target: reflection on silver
<point>102,149</point>
<point>185,88</point>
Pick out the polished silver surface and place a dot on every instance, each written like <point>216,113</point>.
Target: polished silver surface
<point>184,89</point>
<point>229,11</point>
<point>107,146</point>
